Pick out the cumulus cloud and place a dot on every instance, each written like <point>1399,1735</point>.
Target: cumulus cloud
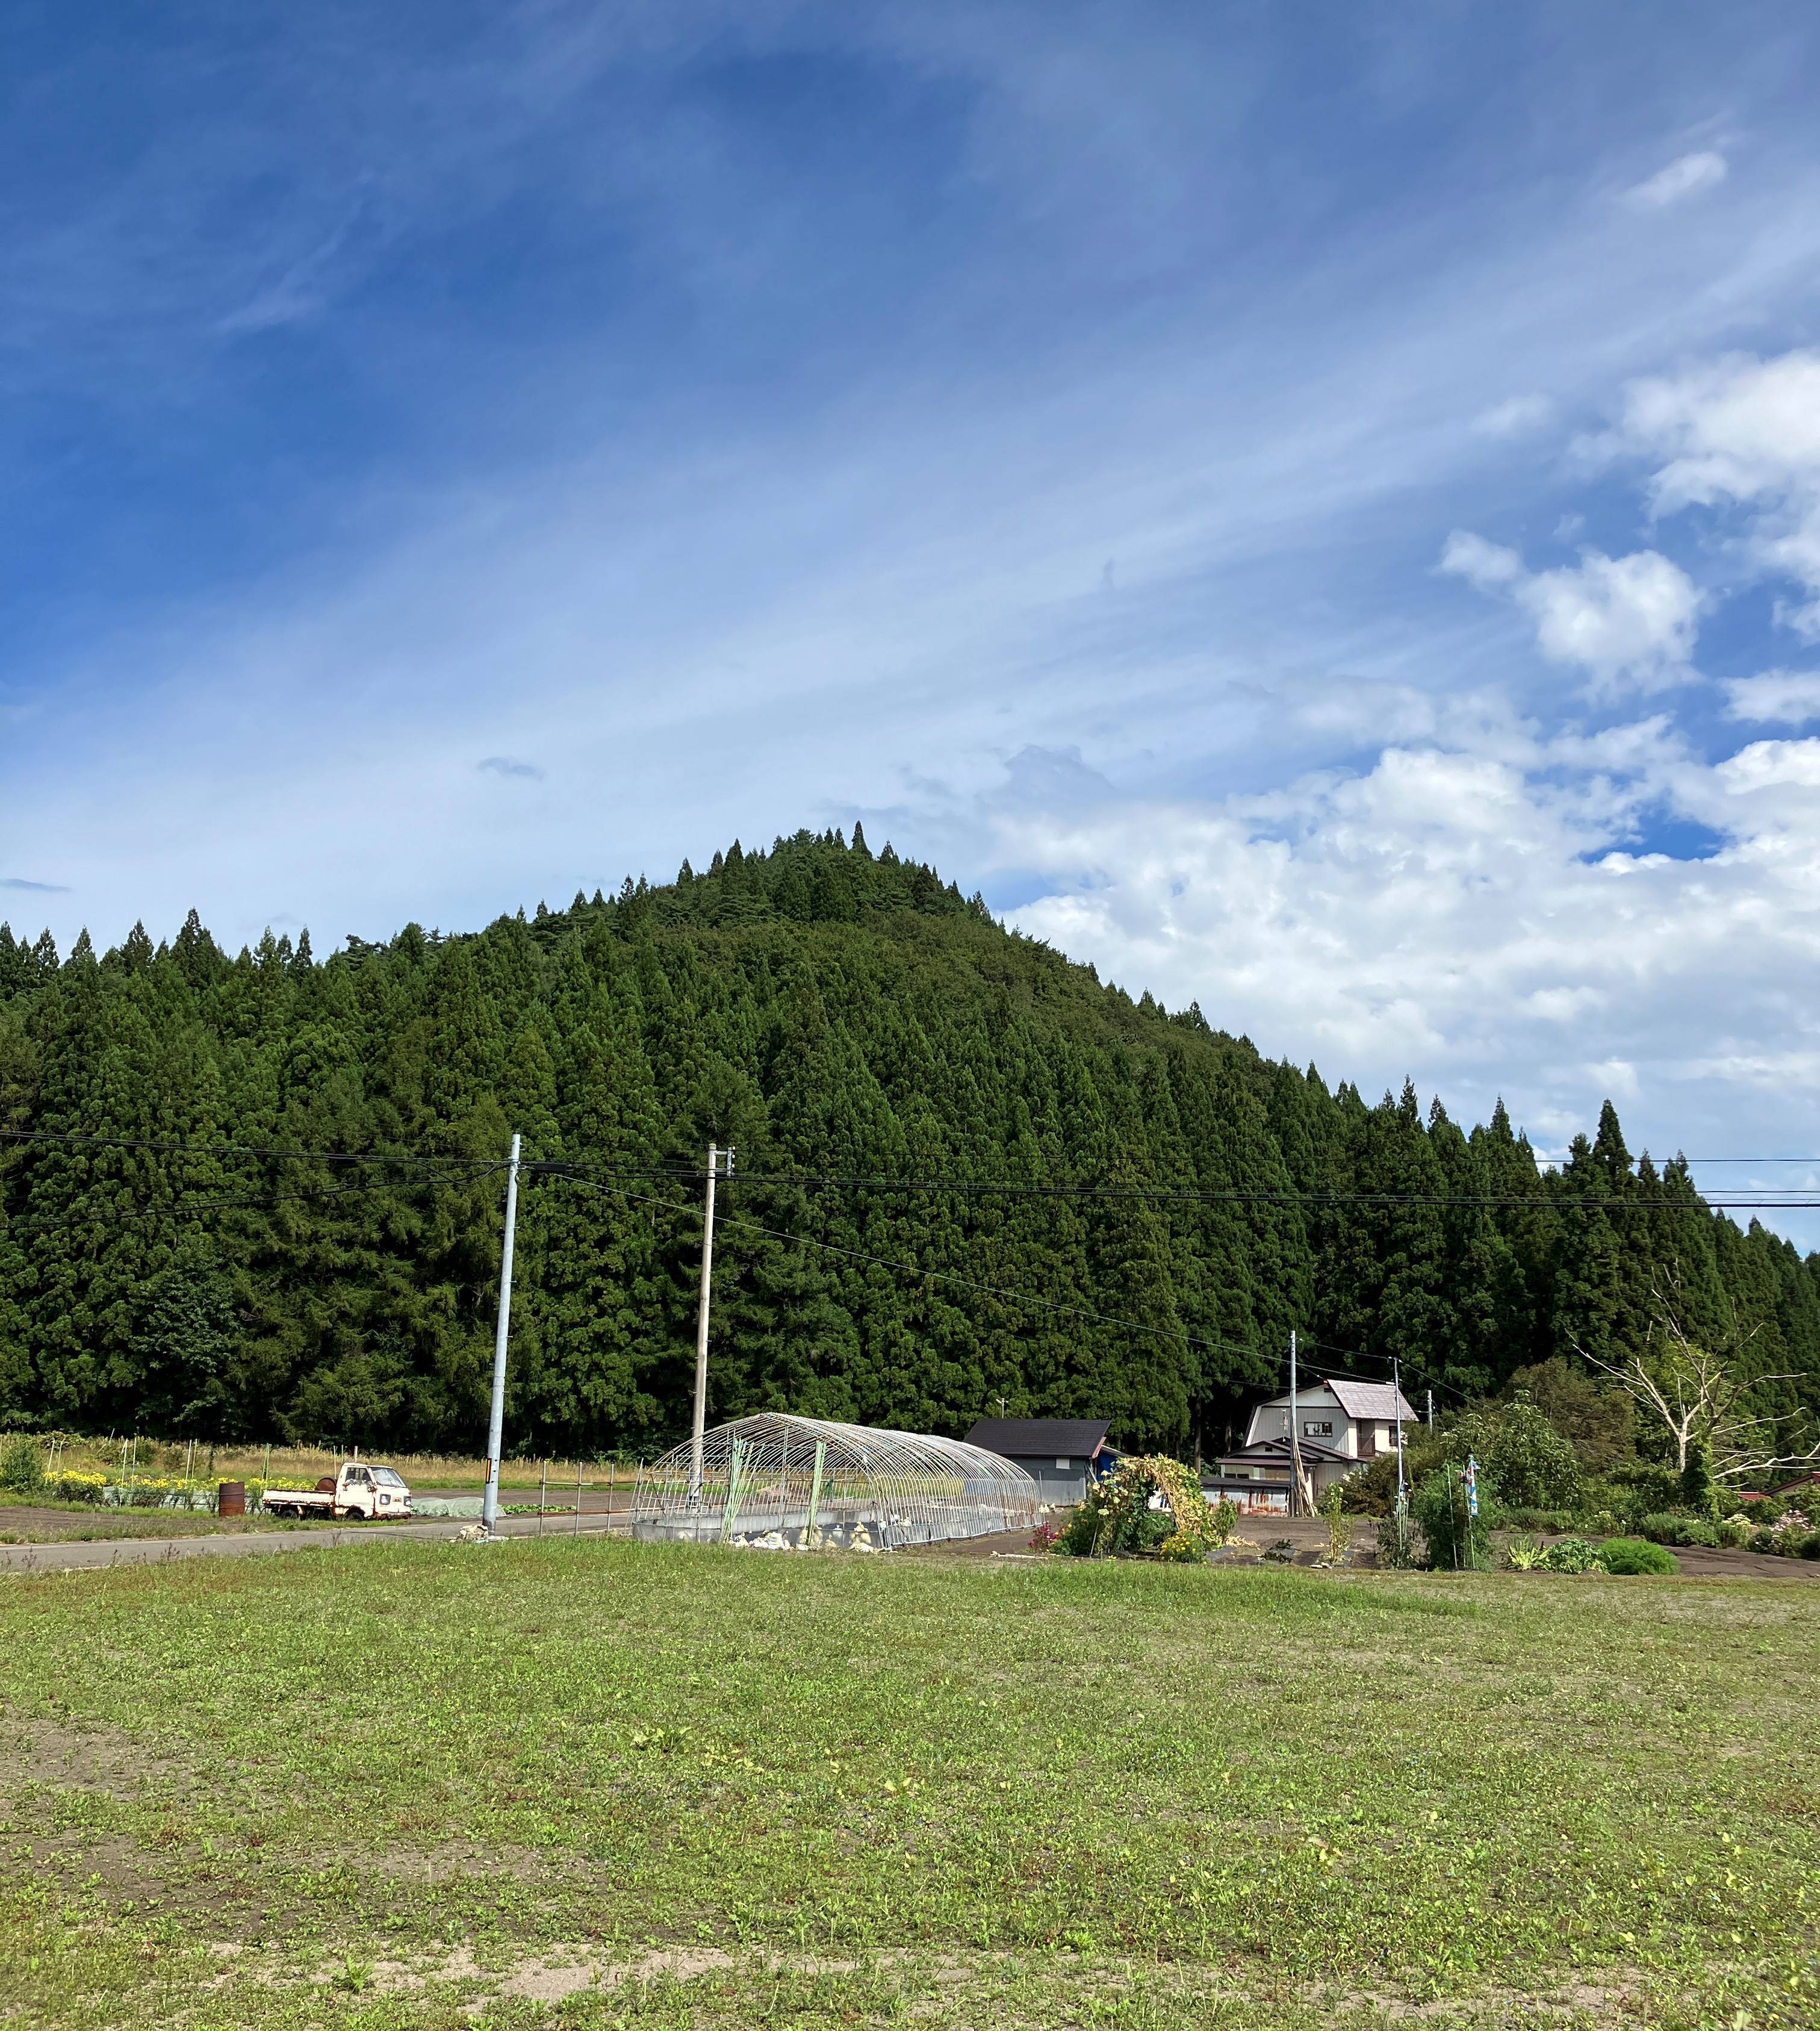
<point>509,765</point>
<point>1627,621</point>
<point>1467,911</point>
<point>1516,418</point>
<point>1740,432</point>
<point>1686,174</point>
<point>1791,697</point>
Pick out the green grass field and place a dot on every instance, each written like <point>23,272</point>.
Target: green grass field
<point>578,1783</point>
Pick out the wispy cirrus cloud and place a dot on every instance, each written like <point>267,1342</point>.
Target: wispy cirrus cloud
<point>18,883</point>
<point>522,384</point>
<point>1702,170</point>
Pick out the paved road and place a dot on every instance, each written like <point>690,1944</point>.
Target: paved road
<point>74,1557</point>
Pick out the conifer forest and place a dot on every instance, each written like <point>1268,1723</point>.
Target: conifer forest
<point>262,1196</point>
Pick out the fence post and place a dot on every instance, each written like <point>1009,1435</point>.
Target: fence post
<point>815,1487</point>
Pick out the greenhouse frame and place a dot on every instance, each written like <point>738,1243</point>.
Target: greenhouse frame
<point>777,1482</point>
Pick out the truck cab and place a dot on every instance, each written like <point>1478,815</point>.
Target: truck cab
<point>363,1489</point>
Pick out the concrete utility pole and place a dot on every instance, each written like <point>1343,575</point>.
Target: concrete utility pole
<point>701,1422</point>
<point>1402,1496</point>
<point>495,1422</point>
<point>1295,1434</point>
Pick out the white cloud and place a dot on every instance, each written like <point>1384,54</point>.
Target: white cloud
<point>1740,431</point>
<point>1792,697</point>
<point>1703,170</point>
<point>1625,621</point>
<point>1487,565</point>
<point>1456,911</point>
<point>1516,418</point>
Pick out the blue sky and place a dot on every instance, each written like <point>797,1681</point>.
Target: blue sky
<point>1316,509</point>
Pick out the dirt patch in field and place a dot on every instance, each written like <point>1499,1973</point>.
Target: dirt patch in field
<point>1059,1989</point>
<point>36,1750</point>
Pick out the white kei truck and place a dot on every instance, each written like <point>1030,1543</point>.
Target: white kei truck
<point>359,1489</point>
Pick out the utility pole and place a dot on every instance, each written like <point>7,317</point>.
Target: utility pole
<point>1402,1498</point>
<point>1430,1410</point>
<point>701,1423</point>
<point>1295,1434</point>
<point>495,1422</point>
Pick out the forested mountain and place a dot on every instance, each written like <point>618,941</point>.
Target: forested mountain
<point>838,1016</point>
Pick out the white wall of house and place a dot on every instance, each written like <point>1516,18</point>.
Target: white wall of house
<point>1322,1420</point>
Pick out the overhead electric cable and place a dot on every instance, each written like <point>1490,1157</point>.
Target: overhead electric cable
<point>1548,1196</point>
<point>477,1165</point>
<point>1543,1199</point>
<point>182,1209</point>
<point>939,1275</point>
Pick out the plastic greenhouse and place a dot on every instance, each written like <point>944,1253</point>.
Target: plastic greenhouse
<point>781,1483</point>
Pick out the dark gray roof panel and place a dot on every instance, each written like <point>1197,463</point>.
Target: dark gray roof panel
<point>1031,1438</point>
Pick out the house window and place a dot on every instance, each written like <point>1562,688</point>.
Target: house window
<point>1063,1463</point>
<point>1317,1428</point>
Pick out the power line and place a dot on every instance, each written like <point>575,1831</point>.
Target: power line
<point>939,1276</point>
<point>183,1209</point>
<point>1542,1200</point>
<point>479,1164</point>
<point>1545,1198</point>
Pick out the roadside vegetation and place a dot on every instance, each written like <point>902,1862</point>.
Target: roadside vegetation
<point>587,1784</point>
<point>58,1486</point>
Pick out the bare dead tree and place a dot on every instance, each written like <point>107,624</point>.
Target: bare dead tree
<point>1695,1392</point>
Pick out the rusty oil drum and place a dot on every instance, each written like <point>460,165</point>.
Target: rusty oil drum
<point>231,1501</point>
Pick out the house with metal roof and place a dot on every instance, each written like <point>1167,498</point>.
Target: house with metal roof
<point>1061,1455</point>
<point>1344,1425</point>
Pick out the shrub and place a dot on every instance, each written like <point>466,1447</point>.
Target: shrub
<point>1631,1556</point>
<point>1699,1491</point>
<point>1454,1537</point>
<point>73,1484</point>
<point>1735,1532</point>
<point>1399,1547</point>
<point>1787,1537</point>
<point>1340,1525</point>
<point>1537,1519</point>
<point>1148,1506</point>
<point>1524,1457</point>
<point>1667,1529</point>
<point>21,1466</point>
<point>1572,1555</point>
<point>1640,1488</point>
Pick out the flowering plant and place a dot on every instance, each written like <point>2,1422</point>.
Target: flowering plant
<point>1147,1506</point>
<point>77,1485</point>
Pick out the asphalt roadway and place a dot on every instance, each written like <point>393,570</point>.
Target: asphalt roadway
<point>71,1556</point>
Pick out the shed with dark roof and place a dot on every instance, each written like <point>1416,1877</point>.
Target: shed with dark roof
<point>1061,1455</point>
